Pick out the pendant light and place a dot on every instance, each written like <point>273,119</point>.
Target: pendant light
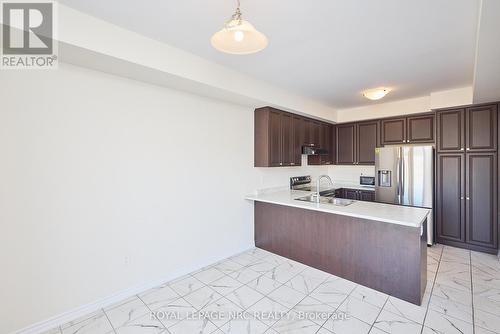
<point>238,36</point>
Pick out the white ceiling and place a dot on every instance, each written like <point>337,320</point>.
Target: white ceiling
<point>329,50</point>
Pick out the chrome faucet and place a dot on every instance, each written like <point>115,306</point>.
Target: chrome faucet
<point>318,182</point>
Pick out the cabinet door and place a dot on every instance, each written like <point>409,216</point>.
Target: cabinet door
<point>393,131</point>
<point>368,196</point>
<point>450,130</point>
<point>326,143</point>
<point>350,194</point>
<point>420,129</point>
<point>306,125</point>
<point>275,138</point>
<point>366,142</point>
<point>346,144</point>
<point>481,222</point>
<point>481,128</point>
<point>450,201</point>
<point>287,140</point>
<point>315,133</point>
<point>298,138</point>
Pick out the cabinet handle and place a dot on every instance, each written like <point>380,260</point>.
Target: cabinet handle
<point>292,163</point>
<point>462,149</point>
<point>408,141</point>
<point>281,164</point>
<point>468,149</point>
<point>462,198</point>
<point>468,198</point>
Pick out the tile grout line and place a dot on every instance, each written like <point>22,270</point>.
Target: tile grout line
<point>284,284</point>
<point>151,313</point>
<point>256,259</point>
<point>472,294</point>
<point>378,315</point>
<point>432,289</point>
<point>110,323</point>
<point>247,266</point>
<point>340,304</point>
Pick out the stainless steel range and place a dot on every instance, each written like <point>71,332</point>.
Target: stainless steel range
<point>304,183</point>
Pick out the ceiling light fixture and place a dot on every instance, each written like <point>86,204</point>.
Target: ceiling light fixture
<point>376,93</point>
<point>238,36</point>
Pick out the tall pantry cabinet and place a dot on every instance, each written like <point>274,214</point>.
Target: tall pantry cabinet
<point>466,175</point>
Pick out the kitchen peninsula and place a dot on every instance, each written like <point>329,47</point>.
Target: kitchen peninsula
<point>381,246</point>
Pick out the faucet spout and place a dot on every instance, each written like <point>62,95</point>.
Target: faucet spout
<point>318,182</point>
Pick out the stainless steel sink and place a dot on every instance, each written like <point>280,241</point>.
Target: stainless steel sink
<point>326,200</point>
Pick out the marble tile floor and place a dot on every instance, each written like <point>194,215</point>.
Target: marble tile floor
<point>462,296</point>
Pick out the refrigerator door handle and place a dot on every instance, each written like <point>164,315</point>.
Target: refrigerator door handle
<point>398,176</point>
<point>403,176</point>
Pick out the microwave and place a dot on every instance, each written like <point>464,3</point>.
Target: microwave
<point>367,180</point>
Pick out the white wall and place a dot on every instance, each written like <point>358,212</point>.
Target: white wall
<point>97,169</point>
<point>340,173</point>
<point>487,66</point>
<point>441,99</point>
<point>147,58</point>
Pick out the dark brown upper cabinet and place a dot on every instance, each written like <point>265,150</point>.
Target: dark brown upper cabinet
<point>274,139</point>
<point>393,131</point>
<point>420,129</point>
<point>346,144</point>
<point>279,137</point>
<point>472,129</point>
<point>325,142</point>
<point>450,130</point>
<point>287,140</point>
<point>481,200</point>
<point>356,143</point>
<point>312,132</point>
<point>366,142</point>
<point>412,129</point>
<point>481,128</point>
<point>299,138</point>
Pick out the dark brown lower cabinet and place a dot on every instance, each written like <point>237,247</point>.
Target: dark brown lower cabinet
<point>481,207</point>
<point>351,194</point>
<point>450,197</point>
<point>355,194</point>
<point>466,200</point>
<point>368,196</point>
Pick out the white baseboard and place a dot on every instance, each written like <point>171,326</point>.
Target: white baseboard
<point>83,310</point>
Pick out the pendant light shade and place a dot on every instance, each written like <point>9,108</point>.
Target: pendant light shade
<point>238,37</point>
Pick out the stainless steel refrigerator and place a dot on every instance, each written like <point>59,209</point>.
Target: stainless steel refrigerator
<point>405,176</point>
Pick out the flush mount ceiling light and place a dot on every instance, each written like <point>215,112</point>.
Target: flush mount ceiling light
<point>238,36</point>
<point>376,93</point>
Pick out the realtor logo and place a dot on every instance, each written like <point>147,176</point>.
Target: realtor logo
<point>28,35</point>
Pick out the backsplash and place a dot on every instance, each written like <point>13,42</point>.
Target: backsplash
<point>280,176</point>
<point>340,173</point>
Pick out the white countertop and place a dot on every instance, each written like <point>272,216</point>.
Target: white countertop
<point>394,214</point>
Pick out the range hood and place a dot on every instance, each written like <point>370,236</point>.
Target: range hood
<point>313,150</point>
